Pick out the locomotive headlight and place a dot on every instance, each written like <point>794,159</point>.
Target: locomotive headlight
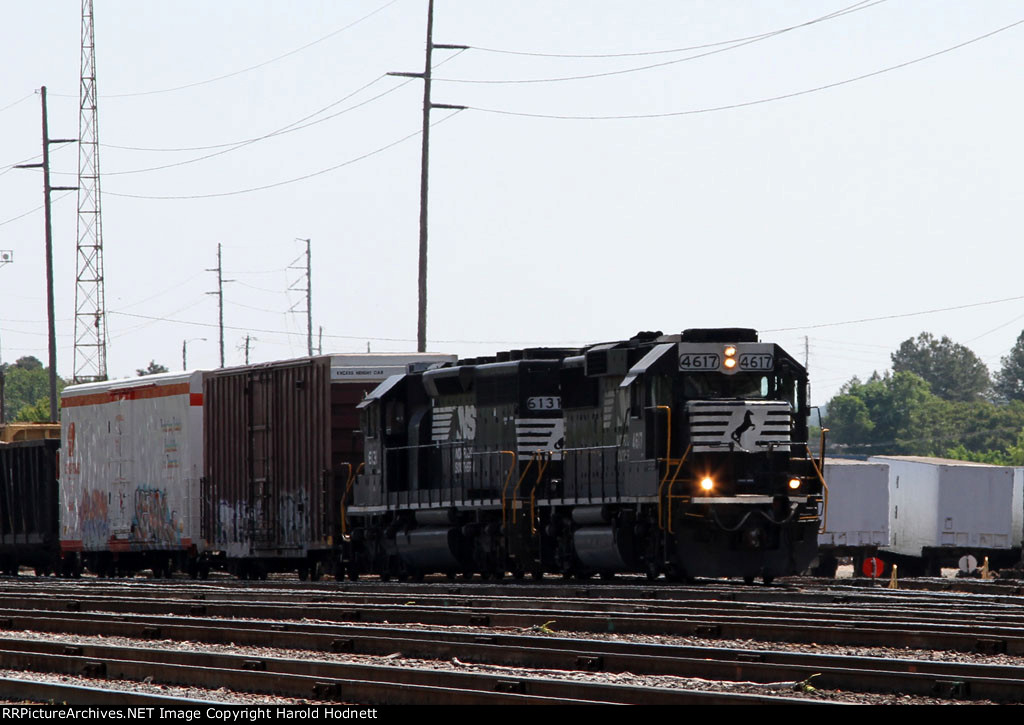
<point>794,483</point>
<point>730,351</point>
<point>706,483</point>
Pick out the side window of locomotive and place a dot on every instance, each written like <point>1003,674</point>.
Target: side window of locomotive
<point>787,390</point>
<point>395,417</point>
<point>636,398</point>
<point>370,421</point>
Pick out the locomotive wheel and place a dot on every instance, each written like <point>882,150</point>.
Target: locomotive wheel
<point>768,580</point>
<point>748,580</point>
<point>537,574</point>
<point>316,572</point>
<point>303,573</point>
<point>607,576</point>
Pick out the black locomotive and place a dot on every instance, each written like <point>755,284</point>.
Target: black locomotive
<point>684,455</point>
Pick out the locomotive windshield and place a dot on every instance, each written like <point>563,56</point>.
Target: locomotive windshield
<point>748,386</point>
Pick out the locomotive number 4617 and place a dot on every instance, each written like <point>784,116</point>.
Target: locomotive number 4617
<point>702,361</point>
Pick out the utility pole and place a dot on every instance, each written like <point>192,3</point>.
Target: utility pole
<point>51,319</point>
<point>421,320</point>
<point>90,358</point>
<point>219,269</point>
<point>6,257</point>
<point>309,294</point>
<point>248,338</point>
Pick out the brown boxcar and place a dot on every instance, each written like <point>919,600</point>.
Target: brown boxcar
<point>28,505</point>
<point>280,441</point>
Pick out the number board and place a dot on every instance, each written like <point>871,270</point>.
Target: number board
<point>547,402</point>
<point>700,361</point>
<point>710,357</point>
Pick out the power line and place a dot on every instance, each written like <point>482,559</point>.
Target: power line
<point>273,134</point>
<point>573,343</point>
<point>745,104</point>
<point>287,181</point>
<point>252,67</point>
<point>759,36</point>
<point>15,103</point>
<point>228,144</point>
<point>894,317</point>
<point>623,71</point>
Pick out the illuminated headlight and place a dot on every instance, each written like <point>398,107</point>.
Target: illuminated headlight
<point>730,362</point>
<point>730,351</point>
<point>794,483</point>
<point>706,483</point>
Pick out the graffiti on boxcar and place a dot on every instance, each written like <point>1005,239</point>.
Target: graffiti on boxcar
<point>293,524</point>
<point>92,517</point>
<point>231,521</point>
<point>171,427</point>
<point>153,521</point>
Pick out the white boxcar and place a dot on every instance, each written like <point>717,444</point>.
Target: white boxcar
<point>941,509</point>
<point>858,505</point>
<point>131,466</point>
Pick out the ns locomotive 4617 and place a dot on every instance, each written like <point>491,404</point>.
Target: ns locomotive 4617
<point>684,455</point>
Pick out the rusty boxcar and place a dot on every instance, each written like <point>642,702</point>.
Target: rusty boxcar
<point>281,442</point>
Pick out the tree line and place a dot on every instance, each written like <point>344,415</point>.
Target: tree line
<point>25,389</point>
<point>939,399</point>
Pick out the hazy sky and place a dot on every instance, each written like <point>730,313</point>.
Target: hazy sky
<point>695,204</point>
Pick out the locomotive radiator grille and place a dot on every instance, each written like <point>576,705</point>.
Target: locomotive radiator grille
<point>752,426</point>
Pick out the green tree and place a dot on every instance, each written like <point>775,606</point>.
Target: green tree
<point>1009,383</point>
<point>25,385</point>
<point>38,412</point>
<point>952,370</point>
<point>152,369</point>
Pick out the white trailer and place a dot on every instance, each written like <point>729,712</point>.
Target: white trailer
<point>131,467</point>
<point>856,521</point>
<point>941,510</point>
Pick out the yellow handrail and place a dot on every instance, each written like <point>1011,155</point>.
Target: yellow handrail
<point>533,493</point>
<point>508,478</point>
<point>675,475</point>
<point>668,436</point>
<point>344,496</point>
<point>522,477</point>
<point>824,487</point>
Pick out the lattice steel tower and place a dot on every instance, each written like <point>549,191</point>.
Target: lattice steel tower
<point>90,305</point>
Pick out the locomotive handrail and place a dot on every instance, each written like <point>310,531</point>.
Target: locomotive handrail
<point>522,476</point>
<point>348,487</point>
<point>661,487</point>
<point>668,435</point>
<point>824,488</point>
<point>508,478</point>
<point>537,455</point>
<point>533,494</point>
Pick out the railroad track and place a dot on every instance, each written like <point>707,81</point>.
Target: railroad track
<point>926,624</point>
<point>364,621</point>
